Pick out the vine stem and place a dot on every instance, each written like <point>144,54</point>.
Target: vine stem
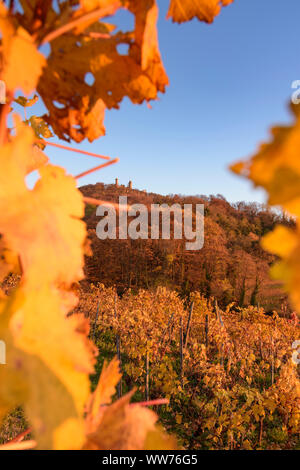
<point>158,401</point>
<point>71,149</point>
<point>24,445</point>
<point>98,35</point>
<point>21,436</point>
<point>89,154</point>
<point>18,442</point>
<point>94,15</point>
<point>99,167</point>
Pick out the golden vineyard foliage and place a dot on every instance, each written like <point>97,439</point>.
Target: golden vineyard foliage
<point>276,168</point>
<point>237,387</point>
<point>49,356</point>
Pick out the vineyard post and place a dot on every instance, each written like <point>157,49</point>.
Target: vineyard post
<point>147,394</point>
<point>118,346</point>
<point>95,321</point>
<point>261,430</point>
<point>260,349</point>
<point>260,341</point>
<point>206,332</point>
<point>216,309</point>
<point>181,352</point>
<point>119,386</point>
<point>219,316</point>
<point>272,358</point>
<point>188,325</point>
<point>169,326</point>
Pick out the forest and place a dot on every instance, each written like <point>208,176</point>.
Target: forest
<point>231,267</point>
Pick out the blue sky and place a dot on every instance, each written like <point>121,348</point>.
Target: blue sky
<point>229,82</point>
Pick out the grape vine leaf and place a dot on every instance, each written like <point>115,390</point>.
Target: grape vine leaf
<point>205,10</point>
<point>138,74</point>
<point>43,371</point>
<point>26,102</point>
<point>22,62</point>
<point>121,426</point>
<point>276,168</point>
<point>58,230</point>
<point>49,355</point>
<point>110,376</point>
<point>40,128</point>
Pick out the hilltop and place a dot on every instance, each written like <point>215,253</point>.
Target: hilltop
<point>231,267</point>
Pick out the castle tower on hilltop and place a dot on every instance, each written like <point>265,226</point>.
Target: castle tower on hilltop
<point>130,185</point>
<point>117,182</point>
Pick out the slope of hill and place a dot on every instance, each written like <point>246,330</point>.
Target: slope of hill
<point>231,266</point>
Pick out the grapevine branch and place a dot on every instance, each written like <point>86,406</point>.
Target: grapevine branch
<point>94,15</point>
<point>83,152</point>
<point>104,165</point>
<point>71,149</point>
<point>25,445</point>
<point>158,401</point>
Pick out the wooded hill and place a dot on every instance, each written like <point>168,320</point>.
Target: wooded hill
<point>231,267</point>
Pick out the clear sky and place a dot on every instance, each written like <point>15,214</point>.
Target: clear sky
<point>229,82</point>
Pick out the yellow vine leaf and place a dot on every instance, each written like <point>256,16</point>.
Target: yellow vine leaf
<point>38,159</point>
<point>27,102</point>
<point>285,243</point>
<point>43,376</point>
<point>69,435</point>
<point>139,74</point>
<point>282,241</point>
<point>110,376</point>
<point>47,217</point>
<point>39,127</point>
<point>146,14</point>
<point>205,10</point>
<point>23,63</point>
<point>121,426</point>
<point>49,356</point>
<point>276,168</point>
